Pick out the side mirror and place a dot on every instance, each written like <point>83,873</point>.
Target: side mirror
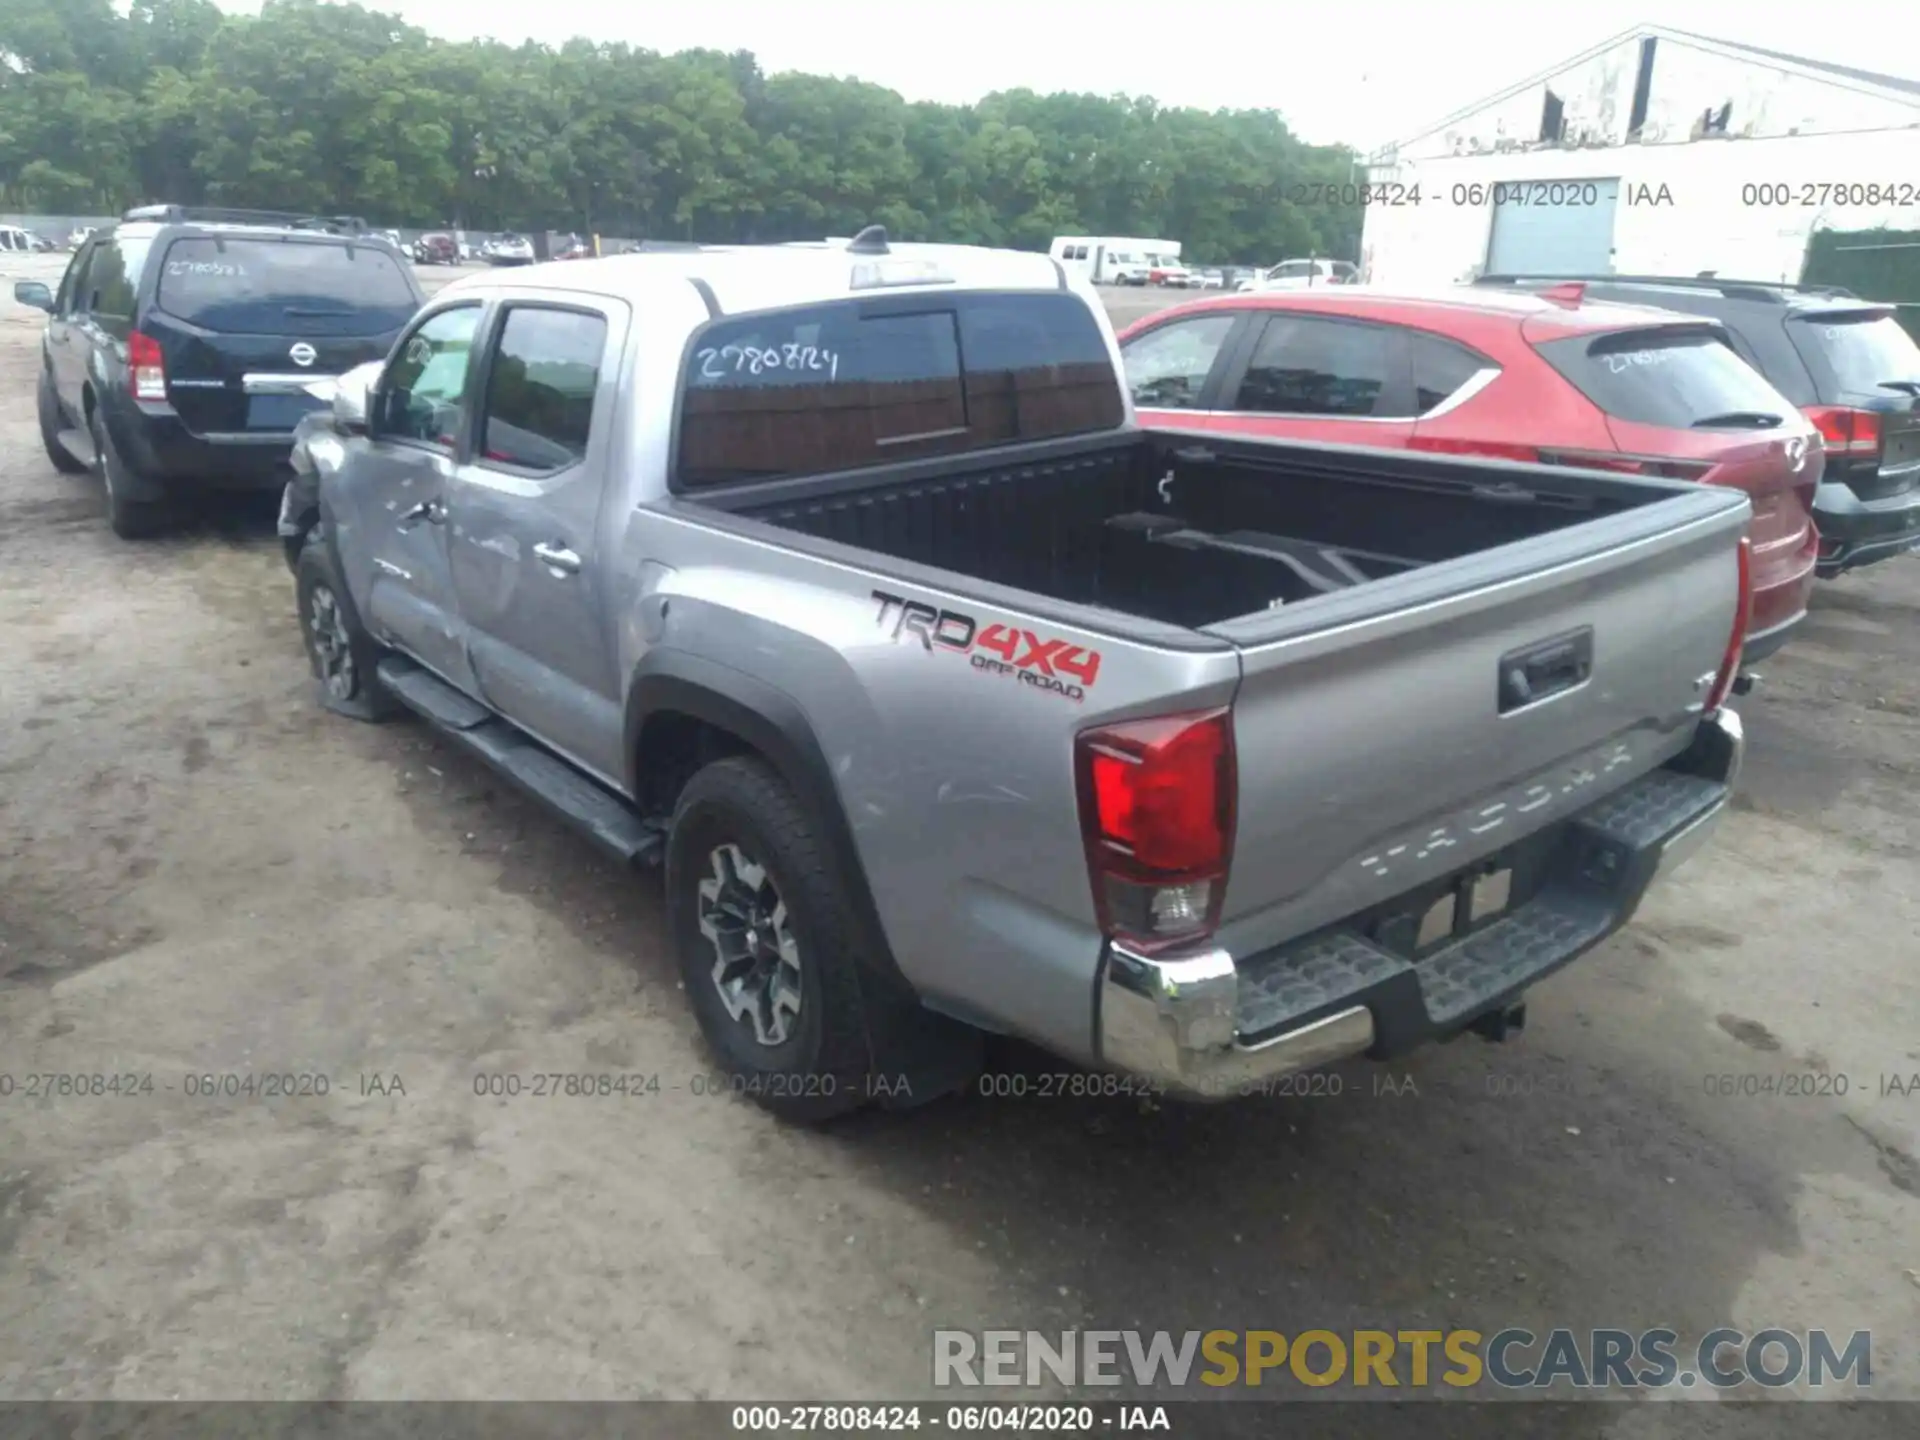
<point>33,293</point>
<point>353,395</point>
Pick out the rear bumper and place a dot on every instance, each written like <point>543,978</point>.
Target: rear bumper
<point>156,442</point>
<point>1209,1025</point>
<point>1856,532</point>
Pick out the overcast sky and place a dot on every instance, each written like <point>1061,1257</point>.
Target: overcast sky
<point>1365,74</point>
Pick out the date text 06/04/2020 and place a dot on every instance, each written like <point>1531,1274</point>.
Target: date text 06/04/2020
<point>1477,194</point>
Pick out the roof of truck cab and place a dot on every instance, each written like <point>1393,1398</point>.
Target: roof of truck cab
<point>1455,309</point>
<point>745,278</point>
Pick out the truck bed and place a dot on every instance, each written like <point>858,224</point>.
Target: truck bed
<point>1186,530</point>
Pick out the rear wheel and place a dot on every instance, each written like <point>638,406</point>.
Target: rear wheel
<point>50,427</point>
<point>129,518</point>
<point>767,947</point>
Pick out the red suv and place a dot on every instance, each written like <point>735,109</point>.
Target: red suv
<point>1541,377</point>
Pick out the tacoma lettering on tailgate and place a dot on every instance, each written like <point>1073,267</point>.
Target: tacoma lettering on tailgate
<point>1059,666</point>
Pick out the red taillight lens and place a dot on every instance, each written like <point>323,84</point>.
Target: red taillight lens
<point>1156,808</point>
<point>146,367</point>
<point>1736,642</point>
<point>1845,431</point>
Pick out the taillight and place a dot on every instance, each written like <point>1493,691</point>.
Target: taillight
<point>1736,642</point>
<point>1659,467</point>
<point>146,367</point>
<point>1845,431</point>
<point>1156,809</point>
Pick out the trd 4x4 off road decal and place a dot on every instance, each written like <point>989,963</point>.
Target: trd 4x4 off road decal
<point>1057,665</point>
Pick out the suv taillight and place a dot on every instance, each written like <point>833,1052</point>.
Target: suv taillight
<point>1156,809</point>
<point>1736,642</point>
<point>1845,431</point>
<point>146,367</point>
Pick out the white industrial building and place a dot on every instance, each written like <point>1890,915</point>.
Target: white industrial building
<point>1657,152</point>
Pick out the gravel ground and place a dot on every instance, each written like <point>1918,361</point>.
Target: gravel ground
<point>200,873</point>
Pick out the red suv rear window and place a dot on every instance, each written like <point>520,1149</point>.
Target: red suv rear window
<point>1675,376</point>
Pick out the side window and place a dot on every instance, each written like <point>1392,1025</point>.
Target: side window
<point>1168,367</point>
<point>1307,366</point>
<point>1440,367</point>
<point>540,388</point>
<point>67,300</point>
<point>422,395</point>
<point>113,283</point>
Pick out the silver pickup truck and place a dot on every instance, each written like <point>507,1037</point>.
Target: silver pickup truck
<point>839,580</point>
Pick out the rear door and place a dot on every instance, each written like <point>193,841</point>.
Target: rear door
<point>66,343</point>
<point>525,523</point>
<point>245,322</point>
<point>1321,378</point>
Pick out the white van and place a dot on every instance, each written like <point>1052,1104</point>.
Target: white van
<point>1112,259</point>
<point>12,237</point>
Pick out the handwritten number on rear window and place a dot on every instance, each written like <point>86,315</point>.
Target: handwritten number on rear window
<point>730,360</point>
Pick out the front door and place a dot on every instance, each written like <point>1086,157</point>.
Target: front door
<point>399,489</point>
<point>525,524</point>
<point>66,345</point>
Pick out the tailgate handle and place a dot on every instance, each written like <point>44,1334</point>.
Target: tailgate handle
<point>1547,667</point>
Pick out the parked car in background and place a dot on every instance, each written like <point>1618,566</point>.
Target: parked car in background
<point>1302,275</point>
<point>1852,370</point>
<point>1251,756</point>
<point>1111,259</point>
<point>1209,279</point>
<point>572,247</point>
<point>181,344</point>
<point>1546,379</point>
<point>14,240</point>
<point>508,250</point>
<point>436,248</point>
<point>1166,270</point>
<point>77,238</point>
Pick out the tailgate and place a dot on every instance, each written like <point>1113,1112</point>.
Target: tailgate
<point>229,384</point>
<point>1386,740</point>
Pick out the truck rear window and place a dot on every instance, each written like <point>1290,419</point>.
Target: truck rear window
<point>242,285</point>
<point>1857,352</point>
<point>1673,376</point>
<point>862,382</point>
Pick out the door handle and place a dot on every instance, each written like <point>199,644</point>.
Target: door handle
<point>558,559</point>
<point>434,512</point>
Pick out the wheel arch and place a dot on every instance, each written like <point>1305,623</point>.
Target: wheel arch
<point>684,709</point>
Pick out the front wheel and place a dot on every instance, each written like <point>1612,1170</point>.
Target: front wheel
<point>767,947</point>
<point>339,649</point>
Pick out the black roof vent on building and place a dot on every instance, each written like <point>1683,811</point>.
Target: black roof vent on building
<point>870,241</point>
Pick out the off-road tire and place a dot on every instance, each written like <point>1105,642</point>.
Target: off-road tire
<point>821,1070</point>
<point>365,698</point>
<point>64,460</point>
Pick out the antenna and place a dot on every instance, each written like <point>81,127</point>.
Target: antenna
<point>870,241</point>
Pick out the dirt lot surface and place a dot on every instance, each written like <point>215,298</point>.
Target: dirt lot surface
<point>201,874</point>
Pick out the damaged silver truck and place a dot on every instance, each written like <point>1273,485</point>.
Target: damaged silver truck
<point>839,581</point>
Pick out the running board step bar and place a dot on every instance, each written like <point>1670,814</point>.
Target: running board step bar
<point>606,818</point>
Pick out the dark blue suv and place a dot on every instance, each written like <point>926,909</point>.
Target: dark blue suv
<point>182,342</point>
